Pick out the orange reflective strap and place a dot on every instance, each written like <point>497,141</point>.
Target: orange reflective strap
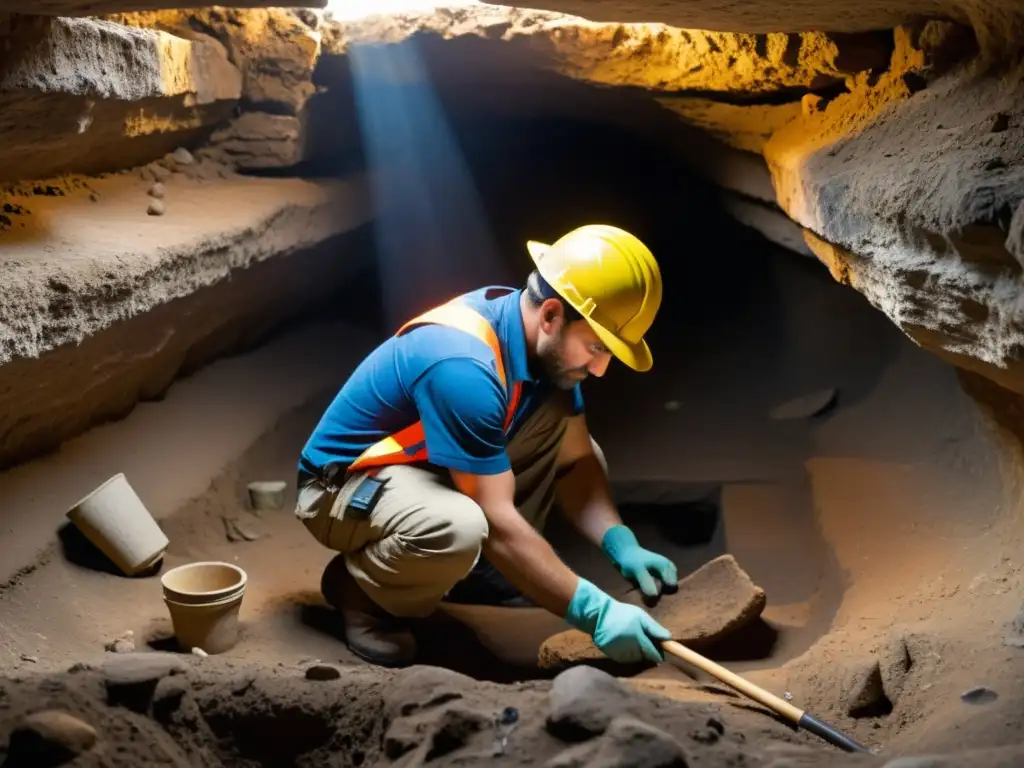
<point>409,444</point>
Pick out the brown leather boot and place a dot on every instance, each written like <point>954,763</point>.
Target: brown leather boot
<point>371,632</point>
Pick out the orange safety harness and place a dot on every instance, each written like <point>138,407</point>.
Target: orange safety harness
<point>409,444</point>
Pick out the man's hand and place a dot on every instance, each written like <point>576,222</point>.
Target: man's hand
<point>637,564</point>
<point>625,633</point>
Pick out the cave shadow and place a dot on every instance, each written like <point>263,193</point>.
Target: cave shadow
<point>79,551</point>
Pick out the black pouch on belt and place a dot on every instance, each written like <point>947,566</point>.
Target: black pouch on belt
<point>366,496</point>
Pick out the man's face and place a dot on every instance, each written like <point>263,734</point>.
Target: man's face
<point>570,353</point>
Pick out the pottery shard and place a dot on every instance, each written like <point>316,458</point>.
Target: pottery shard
<point>584,701</point>
<point>713,601</point>
<point>51,737</point>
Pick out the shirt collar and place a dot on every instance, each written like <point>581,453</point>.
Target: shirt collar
<point>513,335</point>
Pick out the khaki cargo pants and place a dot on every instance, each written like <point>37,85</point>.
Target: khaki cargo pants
<point>423,536</point>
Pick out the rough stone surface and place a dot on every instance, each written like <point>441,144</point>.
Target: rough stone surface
<point>998,20</point>
<point>87,95</point>
<point>95,318</point>
<point>584,701</point>
<point>258,140</point>
<point>275,50</point>
<point>652,56</point>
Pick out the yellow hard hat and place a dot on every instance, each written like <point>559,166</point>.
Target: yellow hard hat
<point>611,278</point>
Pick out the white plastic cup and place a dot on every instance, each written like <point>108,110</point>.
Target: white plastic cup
<point>117,523</point>
<point>204,600</point>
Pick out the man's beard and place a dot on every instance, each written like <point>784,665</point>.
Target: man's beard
<point>555,369</point>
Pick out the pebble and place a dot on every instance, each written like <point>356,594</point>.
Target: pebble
<point>584,700</point>
<point>156,208</point>
<point>323,672</point>
<point>158,190</point>
<point>182,156</point>
<point>50,737</point>
<point>123,643</point>
<point>135,668</point>
<point>197,651</point>
<point>979,695</point>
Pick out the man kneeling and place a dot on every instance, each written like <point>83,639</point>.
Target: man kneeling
<point>448,445</point>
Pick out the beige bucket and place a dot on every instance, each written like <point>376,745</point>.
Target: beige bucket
<point>204,600</point>
<point>116,521</point>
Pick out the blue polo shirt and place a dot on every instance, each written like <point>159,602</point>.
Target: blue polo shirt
<point>448,379</point>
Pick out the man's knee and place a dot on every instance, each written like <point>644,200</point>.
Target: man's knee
<point>457,531</point>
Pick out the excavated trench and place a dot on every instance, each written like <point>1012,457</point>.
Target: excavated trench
<point>194,351</point>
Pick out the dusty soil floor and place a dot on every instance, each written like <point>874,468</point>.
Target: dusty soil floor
<point>885,533</point>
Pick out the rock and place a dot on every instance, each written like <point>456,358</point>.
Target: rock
<point>926,243</point>
<point>583,702</point>
<point>805,406</point>
<point>196,651</point>
<point>979,695</point>
<point>182,156</point>
<point>131,678</point>
<point>123,643</point>
<point>322,672</point>
<point>158,190</point>
<point>423,688</point>
<point>275,50</point>
<point>156,208</point>
<point>627,743</point>
<point>160,172</point>
<point>257,140</point>
<point>49,738</point>
<point>87,95</point>
<point>710,603</point>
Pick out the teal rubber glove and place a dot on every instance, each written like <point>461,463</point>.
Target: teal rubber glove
<point>625,633</point>
<point>635,563</point>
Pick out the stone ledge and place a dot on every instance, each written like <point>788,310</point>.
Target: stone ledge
<point>72,266</point>
<point>105,306</point>
<point>85,95</point>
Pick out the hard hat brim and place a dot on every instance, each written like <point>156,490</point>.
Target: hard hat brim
<point>637,356</point>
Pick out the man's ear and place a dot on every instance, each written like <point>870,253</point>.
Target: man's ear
<point>552,315</point>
